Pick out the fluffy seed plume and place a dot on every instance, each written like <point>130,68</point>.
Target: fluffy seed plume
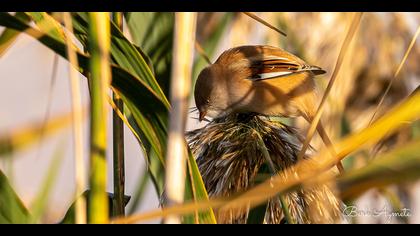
<point>231,160</point>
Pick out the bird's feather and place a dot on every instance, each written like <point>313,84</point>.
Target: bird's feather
<point>277,68</point>
<point>265,62</point>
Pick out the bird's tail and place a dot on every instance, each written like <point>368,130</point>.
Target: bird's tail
<point>316,70</point>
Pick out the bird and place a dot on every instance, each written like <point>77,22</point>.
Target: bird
<point>260,79</point>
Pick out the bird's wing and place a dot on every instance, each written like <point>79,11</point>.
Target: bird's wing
<point>272,67</point>
<point>264,62</point>
<point>267,62</point>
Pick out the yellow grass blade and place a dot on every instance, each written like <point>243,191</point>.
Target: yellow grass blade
<point>27,135</point>
<point>399,165</point>
<point>307,170</point>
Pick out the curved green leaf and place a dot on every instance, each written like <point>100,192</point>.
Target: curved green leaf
<point>153,32</point>
<point>126,55</point>
<point>123,81</point>
<point>133,78</point>
<point>196,190</point>
<point>12,210</point>
<point>9,36</point>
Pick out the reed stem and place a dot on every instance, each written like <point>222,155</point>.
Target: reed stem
<point>99,29</point>
<point>80,205</point>
<point>118,142</point>
<point>176,157</point>
<point>274,172</point>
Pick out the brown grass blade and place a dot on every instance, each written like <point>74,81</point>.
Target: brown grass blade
<point>124,119</point>
<point>255,17</point>
<point>351,32</point>
<point>413,41</point>
<point>49,101</point>
<point>202,52</point>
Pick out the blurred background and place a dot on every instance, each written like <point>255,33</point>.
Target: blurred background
<point>35,87</point>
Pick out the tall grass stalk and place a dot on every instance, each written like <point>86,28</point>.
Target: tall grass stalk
<point>413,41</point>
<point>118,142</point>
<point>255,17</point>
<point>76,102</point>
<point>184,36</point>
<point>202,52</point>
<point>49,101</point>
<point>99,29</point>
<point>274,171</point>
<point>316,120</point>
<point>123,118</point>
<point>80,204</point>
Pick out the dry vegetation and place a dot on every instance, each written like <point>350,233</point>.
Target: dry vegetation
<point>249,172</point>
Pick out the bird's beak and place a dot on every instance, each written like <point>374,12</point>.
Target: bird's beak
<point>202,115</point>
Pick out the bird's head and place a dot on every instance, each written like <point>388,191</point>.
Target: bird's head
<point>209,98</point>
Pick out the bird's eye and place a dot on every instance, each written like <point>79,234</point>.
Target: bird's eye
<point>207,101</point>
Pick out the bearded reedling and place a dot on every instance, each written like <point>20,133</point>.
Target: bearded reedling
<point>259,79</point>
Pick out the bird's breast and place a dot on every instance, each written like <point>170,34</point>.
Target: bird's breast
<point>274,97</point>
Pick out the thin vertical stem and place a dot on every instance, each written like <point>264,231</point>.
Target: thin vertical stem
<point>343,51</point>
<point>118,142</point>
<point>413,41</point>
<point>49,101</point>
<point>203,53</point>
<point>274,171</point>
<point>80,205</point>
<point>99,29</point>
<point>180,89</point>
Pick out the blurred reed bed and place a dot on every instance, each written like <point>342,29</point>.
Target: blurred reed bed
<point>319,43</point>
<point>377,50</point>
<point>380,59</point>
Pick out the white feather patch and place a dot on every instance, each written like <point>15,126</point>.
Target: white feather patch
<point>271,75</point>
<point>275,58</point>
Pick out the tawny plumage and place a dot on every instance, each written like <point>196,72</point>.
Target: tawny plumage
<point>261,79</point>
